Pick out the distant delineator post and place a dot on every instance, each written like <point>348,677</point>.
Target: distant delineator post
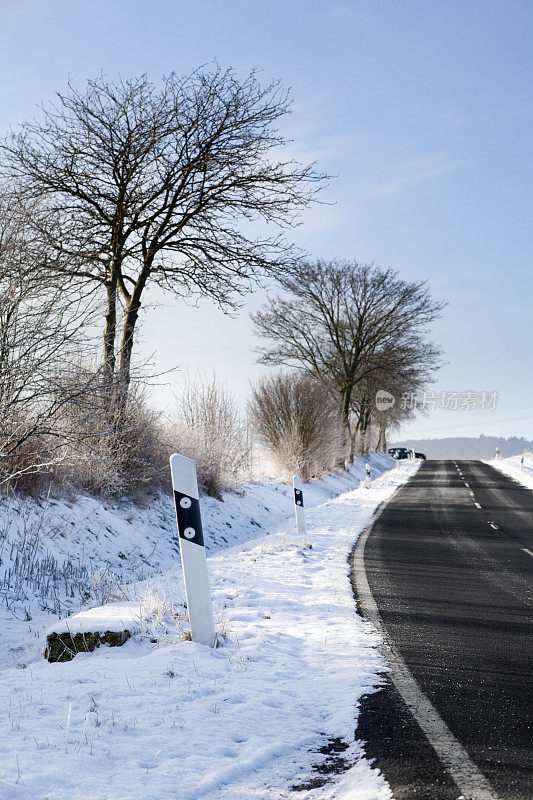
<point>192,549</point>
<point>299,504</point>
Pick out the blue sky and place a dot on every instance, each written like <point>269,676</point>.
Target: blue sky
<point>421,108</point>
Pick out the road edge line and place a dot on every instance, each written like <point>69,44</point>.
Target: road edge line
<point>469,780</point>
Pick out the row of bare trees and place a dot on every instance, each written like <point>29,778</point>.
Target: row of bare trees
<point>126,186</point>
<point>135,186</point>
<point>122,187</point>
<point>355,329</point>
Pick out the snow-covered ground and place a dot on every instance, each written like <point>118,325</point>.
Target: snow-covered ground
<point>163,717</point>
<point>57,554</point>
<point>519,470</point>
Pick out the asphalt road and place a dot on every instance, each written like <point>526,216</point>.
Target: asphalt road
<point>449,564</point>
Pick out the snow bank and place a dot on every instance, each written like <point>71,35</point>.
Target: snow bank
<point>81,551</point>
<point>244,509</point>
<point>512,467</point>
<point>111,617</point>
<point>172,719</point>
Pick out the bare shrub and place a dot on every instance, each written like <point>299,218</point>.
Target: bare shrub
<point>160,620</point>
<point>105,587</point>
<point>29,468</point>
<point>297,420</point>
<point>95,455</point>
<point>211,430</point>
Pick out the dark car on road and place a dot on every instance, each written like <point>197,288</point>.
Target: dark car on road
<point>403,452</point>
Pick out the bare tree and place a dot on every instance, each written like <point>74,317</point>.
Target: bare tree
<point>372,419</point>
<point>344,322</point>
<point>41,328</point>
<point>157,186</point>
<point>297,420</point>
<point>404,368</point>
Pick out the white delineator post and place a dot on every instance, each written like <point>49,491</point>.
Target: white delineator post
<point>299,512</point>
<point>368,482</point>
<point>192,549</point>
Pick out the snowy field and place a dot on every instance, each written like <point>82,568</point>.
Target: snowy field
<point>163,717</point>
<point>512,466</point>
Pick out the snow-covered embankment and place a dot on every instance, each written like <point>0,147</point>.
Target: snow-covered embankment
<point>172,719</point>
<point>518,467</point>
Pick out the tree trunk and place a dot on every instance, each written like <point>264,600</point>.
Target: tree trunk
<point>123,376</point>
<point>366,423</point>
<point>346,443</point>
<point>353,439</point>
<point>382,437</point>
<point>360,427</point>
<point>362,424</point>
<point>110,332</point>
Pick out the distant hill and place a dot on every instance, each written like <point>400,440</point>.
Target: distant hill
<point>467,447</point>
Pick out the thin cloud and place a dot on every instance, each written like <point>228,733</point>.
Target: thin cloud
<point>401,176</point>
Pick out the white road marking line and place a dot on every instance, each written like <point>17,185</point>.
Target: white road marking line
<point>477,505</point>
<point>527,551</point>
<point>472,493</point>
<point>492,525</point>
<point>469,780</point>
